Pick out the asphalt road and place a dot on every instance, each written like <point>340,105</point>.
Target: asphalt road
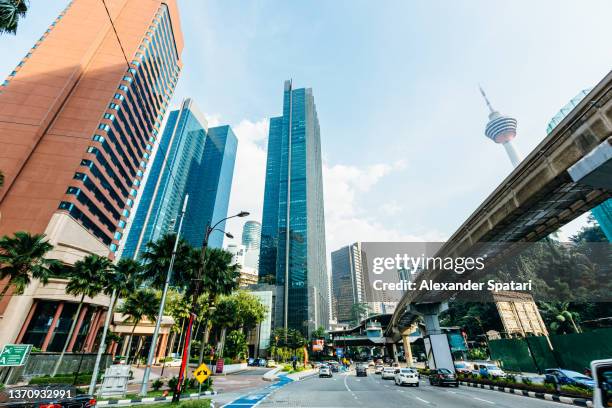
<point>347,390</point>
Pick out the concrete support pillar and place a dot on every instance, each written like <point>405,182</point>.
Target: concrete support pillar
<point>407,349</point>
<point>394,348</point>
<point>436,343</point>
<point>77,328</point>
<point>25,325</point>
<point>58,313</point>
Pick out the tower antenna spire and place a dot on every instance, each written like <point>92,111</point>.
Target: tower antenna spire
<point>484,95</point>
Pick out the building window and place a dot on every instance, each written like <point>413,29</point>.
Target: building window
<point>98,138</point>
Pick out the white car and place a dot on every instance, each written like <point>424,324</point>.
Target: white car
<point>407,376</point>
<point>379,369</point>
<point>325,371</point>
<point>388,373</point>
<point>175,362</point>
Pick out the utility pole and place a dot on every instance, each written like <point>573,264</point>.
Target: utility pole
<point>162,304</point>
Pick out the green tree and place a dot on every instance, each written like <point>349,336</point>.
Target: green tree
<point>241,310</point>
<point>589,233</point>
<point>125,278</point>
<point>220,278</point>
<point>319,333</point>
<point>86,278</point>
<point>226,315</point>
<point>559,318</point>
<point>141,304</point>
<point>10,13</point>
<point>156,261</point>
<point>236,345</point>
<point>23,257</point>
<point>250,312</point>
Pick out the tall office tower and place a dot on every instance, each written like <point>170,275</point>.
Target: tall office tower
<point>191,160</point>
<point>251,234</point>
<point>603,212</point>
<point>79,117</point>
<point>348,281</point>
<point>293,224</point>
<point>502,129</point>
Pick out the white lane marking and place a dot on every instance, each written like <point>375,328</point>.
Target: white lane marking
<point>347,387</point>
<point>422,400</point>
<point>484,400</point>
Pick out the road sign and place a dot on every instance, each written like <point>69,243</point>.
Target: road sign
<point>202,373</point>
<point>339,352</point>
<point>219,367</point>
<point>14,355</point>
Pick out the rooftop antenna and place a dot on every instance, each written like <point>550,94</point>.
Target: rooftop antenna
<point>484,95</point>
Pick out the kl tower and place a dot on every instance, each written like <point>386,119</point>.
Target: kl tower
<point>502,129</point>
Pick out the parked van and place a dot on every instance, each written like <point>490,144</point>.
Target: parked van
<point>602,375</point>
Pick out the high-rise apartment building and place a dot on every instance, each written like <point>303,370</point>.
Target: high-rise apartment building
<point>191,160</point>
<point>79,118</point>
<point>293,224</point>
<point>78,122</point>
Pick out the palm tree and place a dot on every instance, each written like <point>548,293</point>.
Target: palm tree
<point>22,257</point>
<point>156,260</point>
<point>10,12</point>
<point>86,278</point>
<point>125,278</point>
<point>220,278</point>
<point>226,315</point>
<point>140,304</point>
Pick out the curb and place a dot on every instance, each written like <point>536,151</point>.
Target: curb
<point>271,375</point>
<point>581,402</point>
<point>137,401</point>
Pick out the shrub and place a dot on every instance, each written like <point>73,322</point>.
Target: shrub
<point>577,390</point>
<point>527,381</point>
<point>157,384</point>
<point>172,383</point>
<point>198,403</point>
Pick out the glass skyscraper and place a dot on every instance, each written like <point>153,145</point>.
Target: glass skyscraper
<point>251,234</point>
<point>348,281</point>
<point>193,160</point>
<point>293,224</point>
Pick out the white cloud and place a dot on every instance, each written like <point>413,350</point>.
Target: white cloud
<point>347,221</point>
<point>249,173</point>
<point>345,218</point>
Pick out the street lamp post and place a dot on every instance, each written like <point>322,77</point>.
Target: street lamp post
<point>202,270</point>
<point>162,304</point>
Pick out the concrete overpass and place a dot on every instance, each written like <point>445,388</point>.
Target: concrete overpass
<point>567,174</point>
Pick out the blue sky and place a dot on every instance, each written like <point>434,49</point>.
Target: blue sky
<point>396,88</point>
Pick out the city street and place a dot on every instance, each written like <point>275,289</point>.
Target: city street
<point>344,390</point>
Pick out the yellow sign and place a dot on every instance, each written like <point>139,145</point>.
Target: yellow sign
<point>202,373</point>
